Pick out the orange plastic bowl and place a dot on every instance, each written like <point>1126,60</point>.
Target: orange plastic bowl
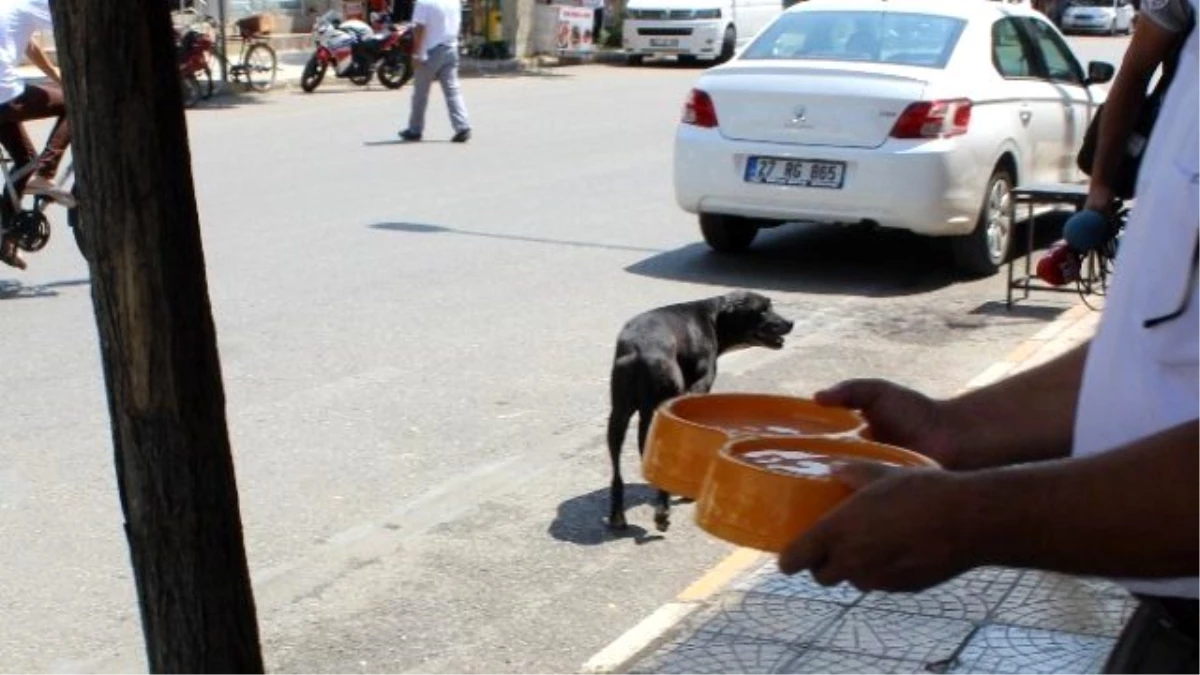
<point>748,504</point>
<point>687,432</point>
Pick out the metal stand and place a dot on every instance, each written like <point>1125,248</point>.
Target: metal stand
<point>1048,194</point>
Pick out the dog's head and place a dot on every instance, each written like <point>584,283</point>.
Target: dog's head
<point>745,319</point>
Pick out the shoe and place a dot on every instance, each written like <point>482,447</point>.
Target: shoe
<point>9,253</point>
<point>1060,266</point>
<point>462,136</point>
<point>43,187</point>
<point>409,135</point>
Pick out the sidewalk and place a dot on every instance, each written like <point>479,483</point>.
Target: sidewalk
<point>746,617</point>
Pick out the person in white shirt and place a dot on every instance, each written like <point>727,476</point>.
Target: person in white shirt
<point>1085,465</point>
<point>21,101</point>
<point>435,54</point>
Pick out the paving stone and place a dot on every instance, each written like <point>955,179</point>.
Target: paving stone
<point>972,596</point>
<point>1017,649</point>
<point>896,635</point>
<point>707,652</point>
<point>768,579</point>
<point>1065,603</point>
<point>767,617</point>
<point>832,661</point>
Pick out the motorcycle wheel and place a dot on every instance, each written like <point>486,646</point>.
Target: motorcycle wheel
<point>362,79</point>
<point>190,88</point>
<point>394,71</point>
<point>314,72</point>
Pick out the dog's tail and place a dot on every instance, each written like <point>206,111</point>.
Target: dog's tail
<point>625,381</point>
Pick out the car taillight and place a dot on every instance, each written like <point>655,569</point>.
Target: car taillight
<point>934,119</point>
<point>699,110</point>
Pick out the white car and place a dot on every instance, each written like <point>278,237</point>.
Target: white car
<point>913,114</point>
<point>1099,16</point>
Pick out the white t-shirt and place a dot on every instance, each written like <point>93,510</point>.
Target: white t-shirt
<point>19,20</point>
<point>1141,380</point>
<point>441,19</point>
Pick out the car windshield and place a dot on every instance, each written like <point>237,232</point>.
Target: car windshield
<point>1092,3</point>
<point>873,37</point>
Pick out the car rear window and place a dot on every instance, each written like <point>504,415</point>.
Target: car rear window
<point>872,37</point>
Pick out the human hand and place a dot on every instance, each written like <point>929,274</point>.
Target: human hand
<point>899,531</point>
<point>898,415</point>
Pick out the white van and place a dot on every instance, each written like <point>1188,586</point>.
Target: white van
<point>710,30</point>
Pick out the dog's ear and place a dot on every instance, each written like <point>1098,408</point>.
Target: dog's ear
<point>747,302</point>
<point>735,301</point>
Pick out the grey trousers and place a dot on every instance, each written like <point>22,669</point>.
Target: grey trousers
<point>441,64</point>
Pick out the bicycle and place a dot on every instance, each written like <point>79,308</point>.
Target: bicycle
<point>30,226</point>
<point>256,63</point>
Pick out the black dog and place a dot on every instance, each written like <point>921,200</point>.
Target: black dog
<point>673,350</point>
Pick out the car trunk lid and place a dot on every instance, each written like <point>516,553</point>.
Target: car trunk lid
<point>812,105</point>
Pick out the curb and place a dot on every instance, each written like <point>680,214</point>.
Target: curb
<point>652,631</point>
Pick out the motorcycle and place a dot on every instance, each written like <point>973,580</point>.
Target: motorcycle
<point>357,52</point>
<point>192,50</point>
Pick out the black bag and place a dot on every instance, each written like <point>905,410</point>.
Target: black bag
<point>1125,175</point>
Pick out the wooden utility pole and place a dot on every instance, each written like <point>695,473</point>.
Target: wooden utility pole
<point>137,210</point>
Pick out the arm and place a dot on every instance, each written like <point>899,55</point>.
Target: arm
<point>1027,417</point>
<point>1150,45</point>
<point>418,42</point>
<point>38,58</point>
<point>1129,512</point>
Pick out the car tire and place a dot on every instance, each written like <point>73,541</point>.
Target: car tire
<point>728,45</point>
<point>983,251</point>
<point>634,60</point>
<point>727,234</point>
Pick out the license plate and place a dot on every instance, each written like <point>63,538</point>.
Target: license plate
<point>795,172</point>
<point>663,42</point>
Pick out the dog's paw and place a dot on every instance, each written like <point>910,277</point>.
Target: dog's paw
<point>617,522</point>
<point>662,522</point>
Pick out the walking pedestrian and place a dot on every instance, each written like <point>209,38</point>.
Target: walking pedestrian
<point>436,25</point>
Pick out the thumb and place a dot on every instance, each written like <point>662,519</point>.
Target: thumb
<point>857,394</point>
<point>857,475</point>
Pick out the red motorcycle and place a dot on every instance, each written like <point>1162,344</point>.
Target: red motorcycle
<point>193,51</point>
<point>358,52</point>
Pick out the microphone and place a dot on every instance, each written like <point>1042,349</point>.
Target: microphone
<point>1086,230</point>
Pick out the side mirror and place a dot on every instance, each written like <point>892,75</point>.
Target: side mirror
<point>1100,72</point>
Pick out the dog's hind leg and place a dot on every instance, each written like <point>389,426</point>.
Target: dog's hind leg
<point>618,423</point>
<point>662,500</point>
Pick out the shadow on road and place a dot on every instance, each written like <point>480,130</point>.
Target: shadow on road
<point>419,228</point>
<point>10,289</point>
<point>814,259</point>
<point>583,520</point>
<point>792,258</point>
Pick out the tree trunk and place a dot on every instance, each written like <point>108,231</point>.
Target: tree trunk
<point>157,341</point>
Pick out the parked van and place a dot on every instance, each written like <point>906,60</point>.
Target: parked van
<point>709,30</point>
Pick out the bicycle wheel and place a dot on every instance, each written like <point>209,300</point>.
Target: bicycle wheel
<point>259,66</point>
<point>206,83</point>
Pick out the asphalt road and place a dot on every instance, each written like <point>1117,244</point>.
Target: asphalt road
<point>415,343</point>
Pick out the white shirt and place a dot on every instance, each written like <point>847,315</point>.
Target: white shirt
<point>19,20</point>
<point>441,19</point>
<point>1138,380</point>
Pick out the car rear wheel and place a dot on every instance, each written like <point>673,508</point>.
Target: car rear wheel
<point>634,60</point>
<point>983,251</point>
<point>727,234</point>
<point>728,45</point>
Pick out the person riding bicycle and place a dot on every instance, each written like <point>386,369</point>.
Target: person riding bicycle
<point>21,101</point>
